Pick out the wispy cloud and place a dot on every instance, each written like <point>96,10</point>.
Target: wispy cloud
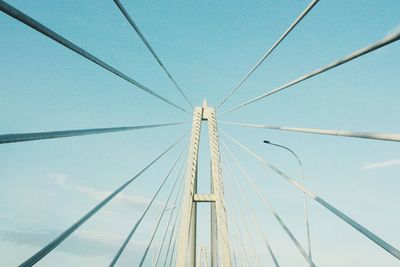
<point>60,179</point>
<point>136,201</point>
<point>381,165</point>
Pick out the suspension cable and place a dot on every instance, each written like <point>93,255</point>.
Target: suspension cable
<point>173,228</point>
<point>236,225</point>
<point>53,244</point>
<point>367,135</point>
<point>245,223</point>
<point>174,225</point>
<point>22,17</point>
<point>159,219</point>
<point>269,206</point>
<point>229,236</point>
<point>249,206</point>
<point>173,250</point>
<point>137,30</point>
<point>385,41</point>
<point>286,33</point>
<point>134,228</point>
<point>376,239</point>
<point>234,253</point>
<point>240,238</point>
<point>22,137</point>
<point>178,194</point>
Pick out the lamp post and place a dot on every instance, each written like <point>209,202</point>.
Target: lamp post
<point>304,195</point>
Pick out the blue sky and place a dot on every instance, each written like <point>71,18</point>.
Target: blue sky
<point>208,47</point>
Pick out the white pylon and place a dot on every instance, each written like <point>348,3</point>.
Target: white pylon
<point>203,259</point>
<point>220,253</point>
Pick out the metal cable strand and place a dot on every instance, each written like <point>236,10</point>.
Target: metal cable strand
<point>385,41</point>
<point>376,239</point>
<point>22,137</point>
<point>229,236</point>
<point>53,244</point>
<point>249,206</point>
<point>137,30</point>
<point>241,214</point>
<point>367,135</point>
<point>128,238</point>
<point>22,17</point>
<point>178,193</point>
<point>234,253</point>
<point>245,254</point>
<point>292,26</point>
<point>160,218</point>
<point>173,228</point>
<point>173,250</point>
<point>235,223</point>
<point>269,206</point>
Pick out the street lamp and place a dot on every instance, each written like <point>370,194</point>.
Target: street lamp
<point>305,199</point>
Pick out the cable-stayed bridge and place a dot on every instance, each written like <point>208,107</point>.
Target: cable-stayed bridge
<point>179,246</point>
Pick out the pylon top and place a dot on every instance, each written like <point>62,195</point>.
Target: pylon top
<point>204,103</point>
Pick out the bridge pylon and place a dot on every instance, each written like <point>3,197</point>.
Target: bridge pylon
<point>220,252</point>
